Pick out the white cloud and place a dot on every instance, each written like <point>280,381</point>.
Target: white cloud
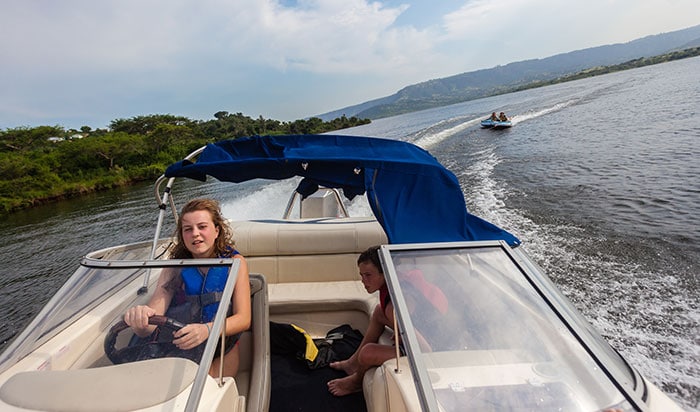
<point>323,36</point>
<point>333,36</point>
<point>511,30</point>
<point>130,57</point>
<point>85,35</point>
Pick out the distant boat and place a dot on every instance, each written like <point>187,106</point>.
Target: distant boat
<point>502,124</point>
<point>487,123</point>
<point>491,124</point>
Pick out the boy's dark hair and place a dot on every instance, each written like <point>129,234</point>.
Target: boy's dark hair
<point>371,255</point>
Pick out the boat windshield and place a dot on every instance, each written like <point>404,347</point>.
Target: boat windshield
<point>85,290</point>
<point>481,335</point>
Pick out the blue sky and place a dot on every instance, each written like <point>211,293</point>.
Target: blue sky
<point>78,63</point>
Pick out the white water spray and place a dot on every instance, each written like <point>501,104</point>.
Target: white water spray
<point>528,116</point>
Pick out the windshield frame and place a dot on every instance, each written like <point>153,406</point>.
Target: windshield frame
<point>61,311</point>
<point>557,308</point>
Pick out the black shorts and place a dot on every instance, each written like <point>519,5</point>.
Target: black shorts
<point>230,342</point>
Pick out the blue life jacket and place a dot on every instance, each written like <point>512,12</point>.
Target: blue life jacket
<point>204,291</point>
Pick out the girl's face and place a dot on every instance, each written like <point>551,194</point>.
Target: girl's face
<point>199,233</point>
<point>372,279</point>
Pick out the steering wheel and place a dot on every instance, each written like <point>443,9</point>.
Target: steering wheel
<point>148,348</point>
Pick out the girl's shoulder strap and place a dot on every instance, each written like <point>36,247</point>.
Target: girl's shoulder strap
<point>229,252</point>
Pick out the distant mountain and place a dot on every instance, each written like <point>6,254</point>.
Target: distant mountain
<point>500,79</point>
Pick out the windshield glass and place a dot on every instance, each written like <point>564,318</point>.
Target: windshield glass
<point>87,288</point>
<point>485,337</point>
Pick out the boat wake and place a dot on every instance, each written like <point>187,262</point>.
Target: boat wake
<point>428,139</point>
<point>440,131</point>
<point>483,190</point>
<point>532,115</point>
<point>603,298</point>
<point>268,202</point>
<point>486,195</point>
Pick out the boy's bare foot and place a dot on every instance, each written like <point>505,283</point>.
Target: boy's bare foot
<point>345,386</point>
<point>345,366</point>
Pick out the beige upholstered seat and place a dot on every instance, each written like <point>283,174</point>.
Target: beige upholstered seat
<point>311,268</point>
<point>129,386</point>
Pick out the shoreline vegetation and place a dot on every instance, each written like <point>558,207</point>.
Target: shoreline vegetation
<point>601,70</point>
<point>449,90</point>
<point>46,164</point>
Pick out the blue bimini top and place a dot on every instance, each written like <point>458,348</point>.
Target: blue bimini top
<point>414,197</point>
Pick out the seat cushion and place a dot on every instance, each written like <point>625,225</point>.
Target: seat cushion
<point>128,386</point>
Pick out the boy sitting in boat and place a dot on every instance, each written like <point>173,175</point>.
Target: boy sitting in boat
<point>371,353</point>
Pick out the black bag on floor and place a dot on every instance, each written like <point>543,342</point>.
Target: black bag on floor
<point>339,343</point>
<point>296,381</point>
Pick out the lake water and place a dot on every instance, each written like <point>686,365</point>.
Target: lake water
<point>598,178</point>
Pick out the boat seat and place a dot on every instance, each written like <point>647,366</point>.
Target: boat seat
<point>310,266</point>
<point>253,377</point>
<point>280,249</point>
<point>317,306</point>
<point>129,386</point>
<point>143,384</point>
<point>387,389</point>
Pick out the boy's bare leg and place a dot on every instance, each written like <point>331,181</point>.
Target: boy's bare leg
<point>375,329</point>
<point>372,354</point>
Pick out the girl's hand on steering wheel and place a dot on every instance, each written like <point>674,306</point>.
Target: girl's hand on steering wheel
<point>137,318</point>
<point>191,336</point>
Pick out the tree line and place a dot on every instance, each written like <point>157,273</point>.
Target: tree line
<point>600,70</point>
<point>513,77</point>
<point>48,163</point>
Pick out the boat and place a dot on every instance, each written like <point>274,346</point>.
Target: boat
<point>500,335</point>
<point>496,124</point>
<point>502,124</point>
<point>487,123</point>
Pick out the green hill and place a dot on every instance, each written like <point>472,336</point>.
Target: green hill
<point>529,73</point>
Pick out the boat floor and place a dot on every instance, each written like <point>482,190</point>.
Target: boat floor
<point>297,387</point>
